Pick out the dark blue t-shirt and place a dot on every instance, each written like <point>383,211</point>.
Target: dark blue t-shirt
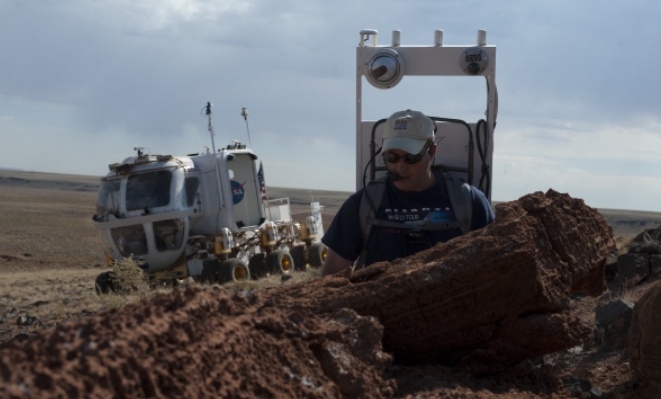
<point>345,238</point>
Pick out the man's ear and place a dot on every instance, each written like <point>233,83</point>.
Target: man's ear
<point>432,150</point>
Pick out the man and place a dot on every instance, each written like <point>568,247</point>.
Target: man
<point>410,210</point>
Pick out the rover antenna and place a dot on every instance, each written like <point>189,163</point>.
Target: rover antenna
<point>244,113</point>
<point>207,112</point>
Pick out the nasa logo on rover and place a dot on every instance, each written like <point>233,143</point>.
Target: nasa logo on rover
<point>237,191</point>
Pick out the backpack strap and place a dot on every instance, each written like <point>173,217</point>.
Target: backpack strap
<point>369,205</point>
<point>461,201</point>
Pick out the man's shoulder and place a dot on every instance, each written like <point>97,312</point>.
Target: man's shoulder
<point>478,194</point>
<point>355,197</point>
<point>482,211</point>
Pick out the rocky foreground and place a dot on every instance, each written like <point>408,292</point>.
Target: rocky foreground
<point>484,302</point>
<point>199,344</point>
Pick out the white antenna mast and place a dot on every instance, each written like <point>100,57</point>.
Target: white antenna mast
<point>244,113</point>
<point>207,110</point>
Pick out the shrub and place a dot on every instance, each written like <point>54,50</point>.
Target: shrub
<point>127,276</point>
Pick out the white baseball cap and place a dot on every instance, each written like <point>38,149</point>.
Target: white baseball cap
<point>407,131</point>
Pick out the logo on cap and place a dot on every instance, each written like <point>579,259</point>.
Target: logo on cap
<point>400,124</point>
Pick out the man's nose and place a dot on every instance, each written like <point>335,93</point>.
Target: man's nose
<point>401,165</point>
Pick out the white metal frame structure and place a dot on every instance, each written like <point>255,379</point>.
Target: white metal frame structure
<point>385,66</point>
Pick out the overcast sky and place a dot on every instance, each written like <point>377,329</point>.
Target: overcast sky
<point>83,82</point>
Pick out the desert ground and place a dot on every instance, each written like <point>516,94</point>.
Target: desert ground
<point>50,254</point>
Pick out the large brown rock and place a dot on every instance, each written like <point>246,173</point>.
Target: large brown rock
<point>198,344</point>
<point>488,299</point>
<point>645,335</point>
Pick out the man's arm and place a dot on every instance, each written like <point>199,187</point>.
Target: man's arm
<point>343,236</point>
<point>334,263</point>
<point>482,212</point>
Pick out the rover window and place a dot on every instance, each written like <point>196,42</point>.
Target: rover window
<point>191,184</point>
<point>148,190</point>
<point>108,199</point>
<point>169,234</point>
<point>130,240</point>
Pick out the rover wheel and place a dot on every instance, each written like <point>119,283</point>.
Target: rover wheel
<point>234,270</point>
<point>211,273</point>
<point>104,283</point>
<point>256,265</point>
<point>297,253</point>
<point>317,254</point>
<point>280,262</point>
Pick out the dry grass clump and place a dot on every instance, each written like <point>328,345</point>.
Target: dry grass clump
<point>127,276</point>
<point>126,285</point>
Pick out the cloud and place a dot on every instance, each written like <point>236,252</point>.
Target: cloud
<point>515,176</point>
<point>583,142</point>
<point>575,80</point>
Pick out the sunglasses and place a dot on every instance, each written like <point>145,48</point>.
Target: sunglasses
<point>408,158</point>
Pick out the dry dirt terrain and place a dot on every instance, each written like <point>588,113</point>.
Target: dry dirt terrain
<point>50,254</point>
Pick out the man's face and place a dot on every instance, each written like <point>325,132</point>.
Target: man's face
<point>414,177</point>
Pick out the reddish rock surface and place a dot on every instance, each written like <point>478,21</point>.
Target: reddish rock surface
<point>489,299</point>
<point>645,335</point>
<point>202,345</point>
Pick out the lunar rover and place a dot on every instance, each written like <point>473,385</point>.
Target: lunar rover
<point>204,216</point>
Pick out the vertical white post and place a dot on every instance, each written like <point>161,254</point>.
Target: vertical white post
<point>396,38</point>
<point>438,38</point>
<point>492,112</point>
<point>215,157</point>
<point>481,37</point>
<point>359,117</point>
